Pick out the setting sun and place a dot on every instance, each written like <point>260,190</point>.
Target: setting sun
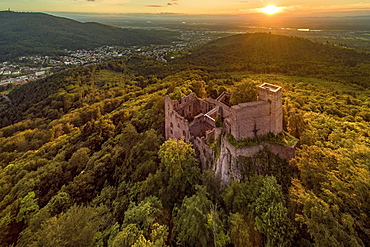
<point>271,10</point>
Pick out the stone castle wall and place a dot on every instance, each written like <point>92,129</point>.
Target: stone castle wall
<point>178,114</point>
<point>191,105</point>
<point>194,120</point>
<point>273,95</point>
<point>250,119</point>
<point>176,126</point>
<point>201,125</point>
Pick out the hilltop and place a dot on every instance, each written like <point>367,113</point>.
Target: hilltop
<point>39,33</point>
<point>268,53</point>
<point>83,160</point>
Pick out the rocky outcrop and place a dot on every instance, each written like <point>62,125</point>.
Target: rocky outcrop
<point>227,166</point>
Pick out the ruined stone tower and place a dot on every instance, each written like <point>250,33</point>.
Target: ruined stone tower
<point>193,117</point>
<point>273,95</point>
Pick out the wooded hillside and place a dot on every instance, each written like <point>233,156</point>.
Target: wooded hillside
<point>42,34</point>
<point>266,53</point>
<point>83,161</point>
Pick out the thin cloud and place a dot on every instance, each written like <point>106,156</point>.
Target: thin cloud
<point>155,6</point>
<point>171,3</point>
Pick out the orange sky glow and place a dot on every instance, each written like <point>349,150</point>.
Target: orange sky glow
<point>287,7</point>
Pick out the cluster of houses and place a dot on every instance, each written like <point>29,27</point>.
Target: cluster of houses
<point>17,74</point>
<point>11,73</point>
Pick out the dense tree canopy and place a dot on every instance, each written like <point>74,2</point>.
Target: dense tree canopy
<point>83,160</point>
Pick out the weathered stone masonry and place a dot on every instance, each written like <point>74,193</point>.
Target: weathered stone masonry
<point>194,120</point>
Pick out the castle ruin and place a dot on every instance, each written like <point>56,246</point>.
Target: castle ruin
<point>198,120</point>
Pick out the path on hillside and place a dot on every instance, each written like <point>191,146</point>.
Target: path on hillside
<point>6,98</point>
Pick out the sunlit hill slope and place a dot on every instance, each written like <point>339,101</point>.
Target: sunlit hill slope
<point>83,160</point>
<point>266,53</point>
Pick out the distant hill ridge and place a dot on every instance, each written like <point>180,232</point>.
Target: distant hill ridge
<point>38,33</point>
<point>270,53</point>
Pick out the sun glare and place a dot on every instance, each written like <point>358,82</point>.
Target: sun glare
<point>270,10</point>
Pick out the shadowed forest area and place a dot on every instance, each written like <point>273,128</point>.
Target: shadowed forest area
<point>42,34</point>
<point>83,160</point>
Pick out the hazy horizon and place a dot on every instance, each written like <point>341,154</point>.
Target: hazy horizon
<point>361,22</point>
<point>192,7</point>
<point>220,22</point>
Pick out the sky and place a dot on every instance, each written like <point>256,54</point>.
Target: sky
<point>214,7</point>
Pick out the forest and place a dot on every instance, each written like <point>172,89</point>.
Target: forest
<point>25,34</point>
<point>83,159</point>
